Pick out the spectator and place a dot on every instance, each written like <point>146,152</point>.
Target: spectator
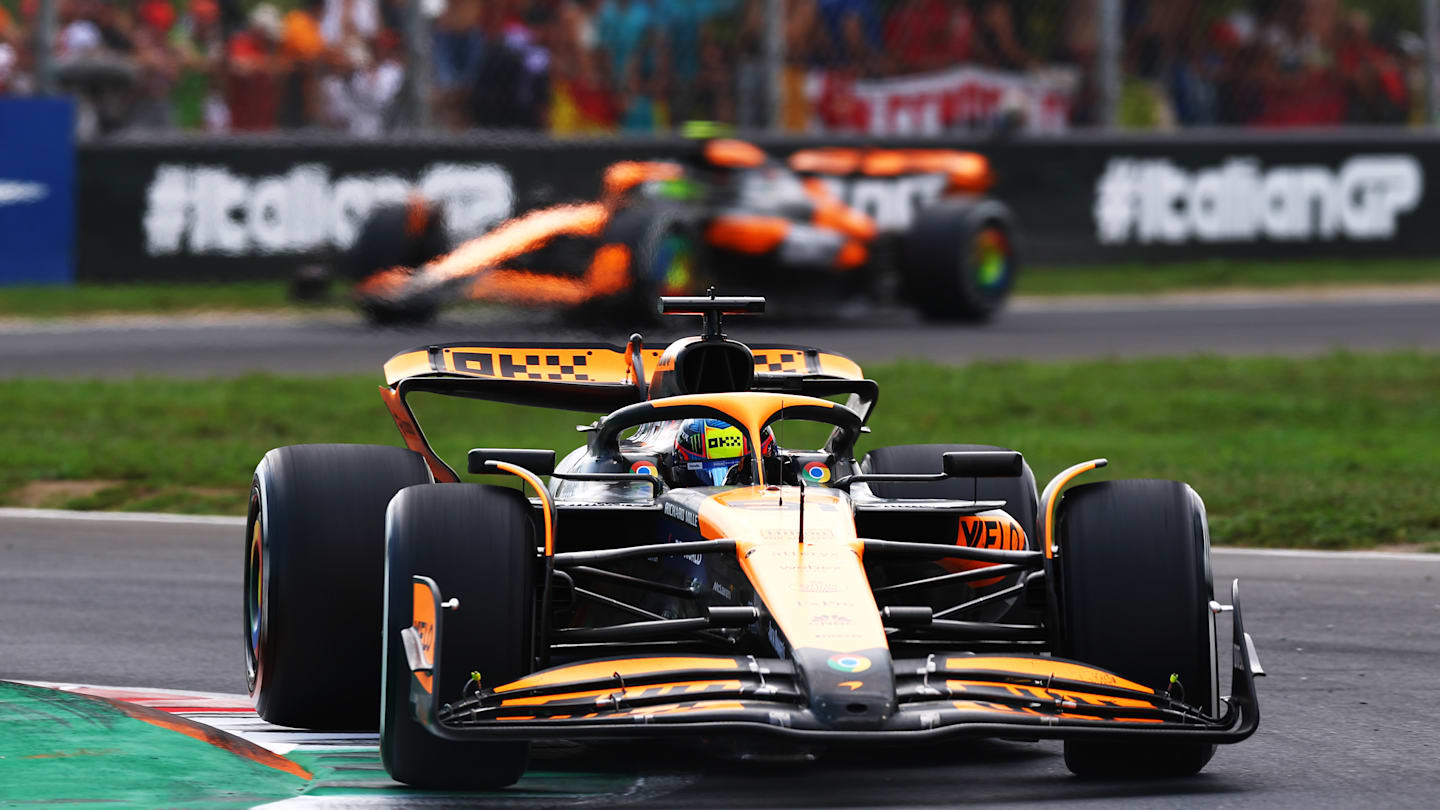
<point>198,42</point>
<point>346,21</point>
<point>458,46</point>
<point>255,65</point>
<point>999,41</point>
<point>1373,76</point>
<point>303,49</point>
<point>14,80</point>
<point>714,96</point>
<point>926,35</point>
<point>358,95</point>
<point>621,26</point>
<point>854,29</point>
<point>580,102</point>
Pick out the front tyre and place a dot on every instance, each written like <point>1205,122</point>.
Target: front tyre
<point>958,261</point>
<point>479,545</point>
<point>314,555</point>
<point>1135,589</point>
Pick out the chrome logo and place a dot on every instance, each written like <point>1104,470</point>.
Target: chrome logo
<point>848,662</point>
<point>645,468</point>
<point>816,473</point>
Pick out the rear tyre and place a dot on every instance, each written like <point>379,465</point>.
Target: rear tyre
<point>958,261</point>
<point>479,545</point>
<point>1135,588</point>
<point>314,556</point>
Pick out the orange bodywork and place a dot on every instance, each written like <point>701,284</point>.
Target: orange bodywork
<point>816,590</point>
<point>734,154</point>
<point>966,171</point>
<point>830,212</point>
<point>1043,668</point>
<point>625,667</point>
<point>627,174</point>
<point>608,274</point>
<point>747,234</point>
<point>422,621</point>
<point>601,363</point>
<point>514,238</point>
<point>413,438</point>
<point>994,530</point>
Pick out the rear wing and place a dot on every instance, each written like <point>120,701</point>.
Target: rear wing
<point>590,364</point>
<point>587,377</point>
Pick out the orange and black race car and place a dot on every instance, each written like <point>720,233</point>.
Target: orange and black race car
<point>713,563</point>
<point>730,215</point>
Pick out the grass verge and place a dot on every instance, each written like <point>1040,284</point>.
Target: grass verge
<point>1331,452</point>
<point>44,301</point>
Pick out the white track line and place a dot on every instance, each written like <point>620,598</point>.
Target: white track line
<point>19,513</point>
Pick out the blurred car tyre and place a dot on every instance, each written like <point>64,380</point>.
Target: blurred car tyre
<point>957,261</point>
<point>404,235</point>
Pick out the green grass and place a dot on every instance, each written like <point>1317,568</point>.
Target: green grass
<point>1338,451</point>
<point>51,301</point>
<point>43,301</point>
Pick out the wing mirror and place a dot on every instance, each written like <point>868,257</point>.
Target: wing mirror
<point>539,462</point>
<point>982,464</point>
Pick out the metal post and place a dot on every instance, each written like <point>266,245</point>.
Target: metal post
<point>1430,21</point>
<point>775,62</point>
<point>417,73</point>
<point>1108,58</point>
<point>44,45</point>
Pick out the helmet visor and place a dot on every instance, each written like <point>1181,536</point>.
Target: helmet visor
<point>713,473</point>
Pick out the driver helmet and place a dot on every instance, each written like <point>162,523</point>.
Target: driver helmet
<point>712,452</point>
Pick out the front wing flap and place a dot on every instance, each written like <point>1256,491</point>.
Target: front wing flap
<point>941,695</point>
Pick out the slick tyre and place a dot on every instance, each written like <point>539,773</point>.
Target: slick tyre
<point>479,545</point>
<point>314,558</point>
<point>1135,588</point>
<point>958,260</point>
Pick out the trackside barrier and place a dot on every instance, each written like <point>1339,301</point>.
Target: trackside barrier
<point>240,208</point>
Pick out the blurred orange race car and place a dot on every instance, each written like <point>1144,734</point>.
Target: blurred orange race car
<point>849,224</point>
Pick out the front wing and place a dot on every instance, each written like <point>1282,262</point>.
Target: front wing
<point>939,696</point>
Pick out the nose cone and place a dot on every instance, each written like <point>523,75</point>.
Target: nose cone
<point>851,691</point>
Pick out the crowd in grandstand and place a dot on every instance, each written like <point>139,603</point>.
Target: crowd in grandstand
<point>598,66</point>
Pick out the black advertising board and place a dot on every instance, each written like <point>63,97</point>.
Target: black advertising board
<point>212,209</point>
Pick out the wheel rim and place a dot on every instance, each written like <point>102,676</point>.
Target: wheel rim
<point>254,593</point>
<point>674,266</point>
<point>993,260</point>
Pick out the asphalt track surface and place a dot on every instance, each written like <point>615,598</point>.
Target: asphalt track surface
<point>335,342</point>
<point>1349,714</point>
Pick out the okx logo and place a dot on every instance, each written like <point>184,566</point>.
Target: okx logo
<point>1150,201</point>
